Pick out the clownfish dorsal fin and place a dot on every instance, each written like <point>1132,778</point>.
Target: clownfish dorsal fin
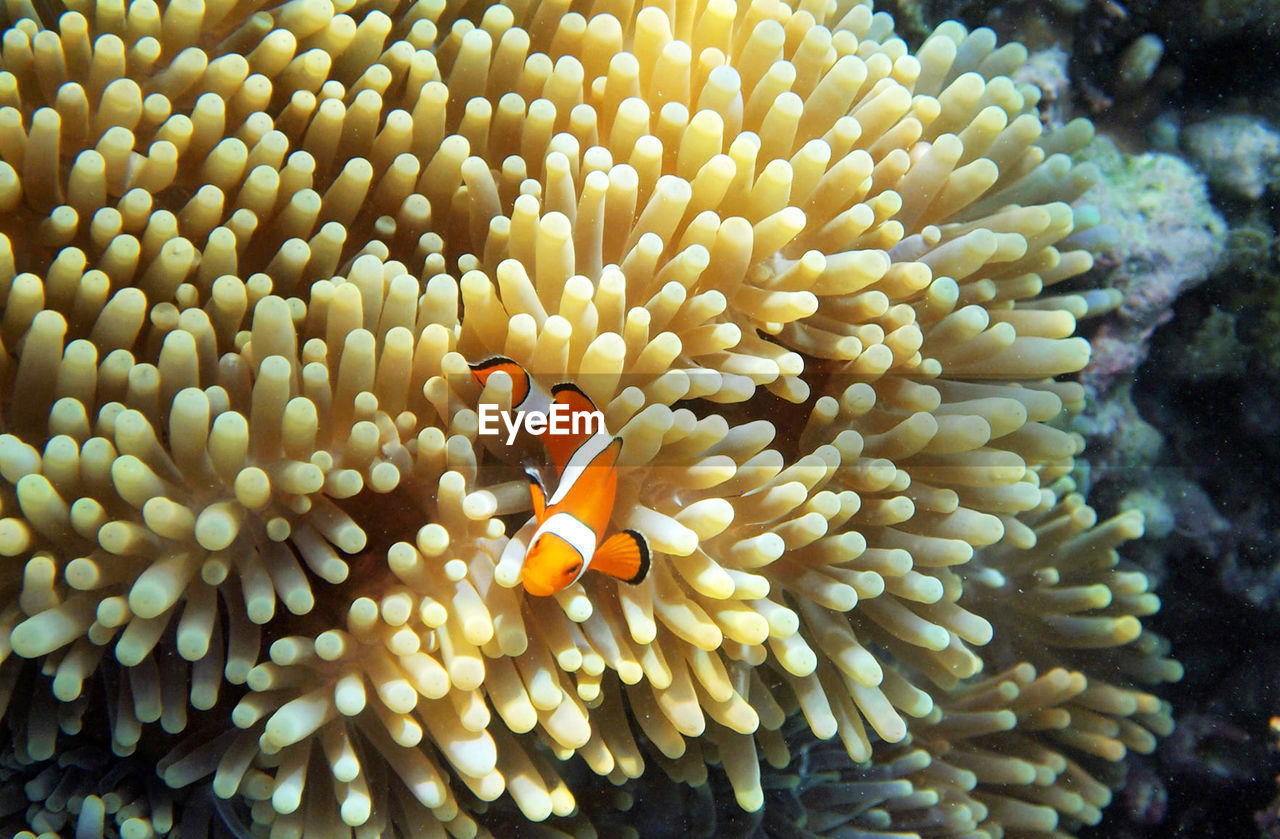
<point>562,446</point>
<point>538,494</point>
<point>623,555</point>
<point>609,457</point>
<point>520,384</point>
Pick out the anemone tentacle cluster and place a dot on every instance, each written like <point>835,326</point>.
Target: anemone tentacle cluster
<point>246,255</point>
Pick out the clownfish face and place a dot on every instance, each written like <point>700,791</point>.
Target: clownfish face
<point>551,565</point>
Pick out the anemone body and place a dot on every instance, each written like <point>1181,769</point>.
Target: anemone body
<point>246,255</point>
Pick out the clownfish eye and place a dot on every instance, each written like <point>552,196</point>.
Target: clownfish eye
<point>574,568</point>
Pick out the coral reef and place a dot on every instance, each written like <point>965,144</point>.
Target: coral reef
<point>1240,154</point>
<point>1213,20</point>
<point>1206,393</point>
<point>252,535</point>
<point>1046,69</point>
<point>1164,238</point>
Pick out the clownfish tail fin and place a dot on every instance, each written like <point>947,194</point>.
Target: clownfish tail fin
<point>642,545</point>
<point>486,367</point>
<point>623,555</point>
<point>482,370</point>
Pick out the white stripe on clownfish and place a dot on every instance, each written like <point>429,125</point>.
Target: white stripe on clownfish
<point>582,457</point>
<point>577,534</point>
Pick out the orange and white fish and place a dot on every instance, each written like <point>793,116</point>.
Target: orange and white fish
<point>571,522</point>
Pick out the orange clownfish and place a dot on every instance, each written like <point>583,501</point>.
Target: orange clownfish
<point>571,521</point>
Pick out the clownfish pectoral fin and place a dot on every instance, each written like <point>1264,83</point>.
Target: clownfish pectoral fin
<point>582,423</point>
<point>623,555</point>
<point>482,370</point>
<point>538,494</point>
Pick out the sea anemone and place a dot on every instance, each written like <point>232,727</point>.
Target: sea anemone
<point>85,791</point>
<point>248,253</point>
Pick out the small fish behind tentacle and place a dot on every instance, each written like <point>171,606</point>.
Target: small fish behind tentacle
<point>574,517</point>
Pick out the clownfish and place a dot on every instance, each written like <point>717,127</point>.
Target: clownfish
<point>572,520</point>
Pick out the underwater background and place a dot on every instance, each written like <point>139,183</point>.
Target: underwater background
<point>1180,419</point>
